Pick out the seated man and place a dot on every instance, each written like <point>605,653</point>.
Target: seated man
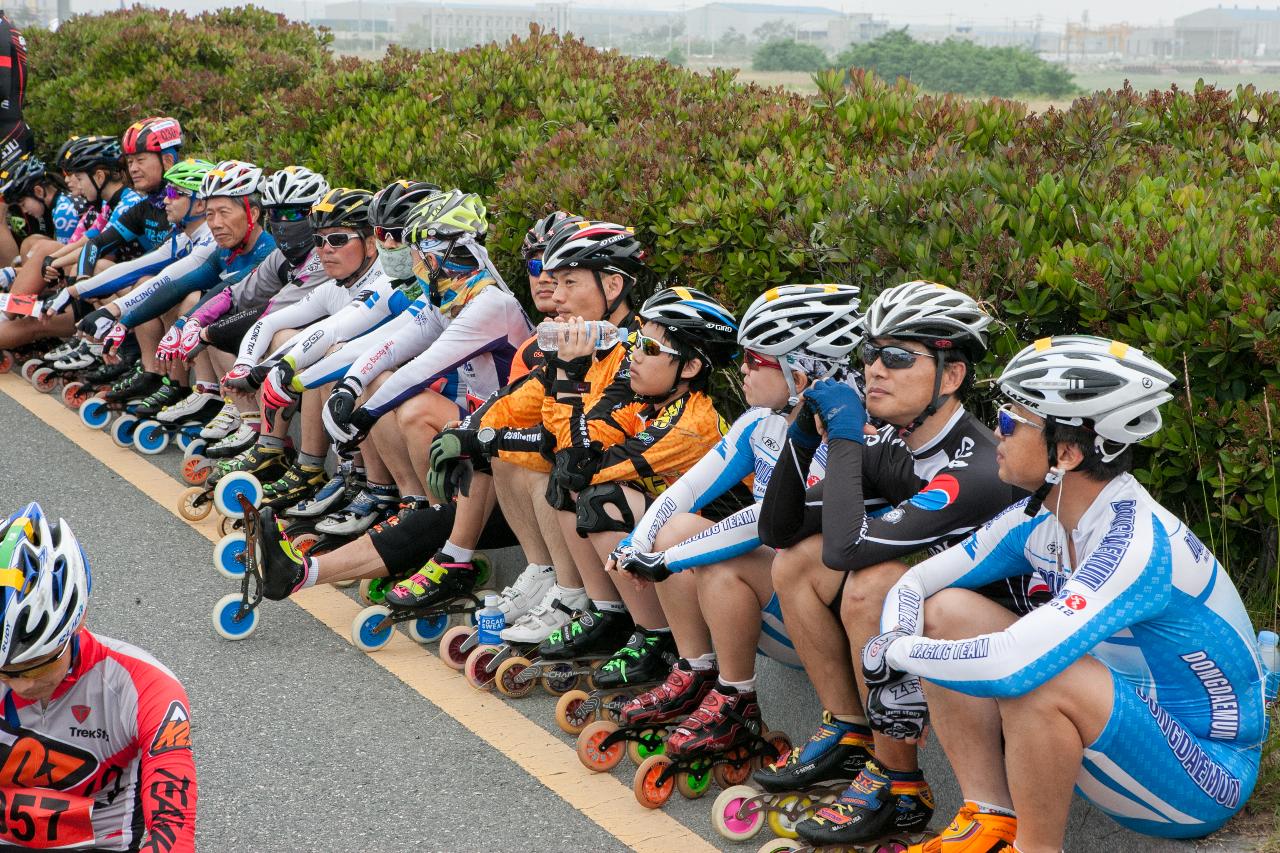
<point>1139,684</point>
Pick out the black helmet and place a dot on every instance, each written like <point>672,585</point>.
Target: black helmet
<point>19,176</point>
<point>392,205</point>
<point>696,322</point>
<point>86,153</point>
<point>536,238</point>
<point>600,246</point>
<point>343,208</point>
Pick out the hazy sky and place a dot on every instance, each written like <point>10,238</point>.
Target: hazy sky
<point>992,12</point>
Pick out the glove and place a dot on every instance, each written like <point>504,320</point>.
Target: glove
<point>278,394</point>
<point>841,409</point>
<point>651,567</point>
<point>58,303</point>
<point>97,323</point>
<point>346,424</point>
<point>574,468</point>
<point>895,699</point>
<point>112,340</point>
<point>238,377</point>
<point>803,431</point>
<point>47,272</point>
<point>190,344</point>
<point>168,347</point>
<point>450,453</point>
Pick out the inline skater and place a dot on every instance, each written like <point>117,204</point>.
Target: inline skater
<point>72,787</point>
<point>41,197</point>
<point>1139,684</point>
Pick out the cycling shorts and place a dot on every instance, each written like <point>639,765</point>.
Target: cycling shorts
<point>227,332</point>
<point>405,544</point>
<point>774,642</point>
<point>1153,776</point>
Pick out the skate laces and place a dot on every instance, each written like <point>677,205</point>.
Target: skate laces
<point>635,646</point>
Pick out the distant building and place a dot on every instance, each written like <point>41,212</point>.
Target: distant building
<point>1228,33</point>
<point>830,29</point>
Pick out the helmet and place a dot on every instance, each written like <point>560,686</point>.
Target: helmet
<point>696,321</point>
<point>1082,380</point>
<point>600,246</point>
<point>293,186</point>
<point>447,216</point>
<point>44,585</point>
<point>233,178</point>
<point>535,239</point>
<point>934,314</point>
<point>342,208</point>
<point>820,321</point>
<point>393,205</point>
<point>85,153</point>
<point>156,134</point>
<point>19,176</point>
<point>188,174</point>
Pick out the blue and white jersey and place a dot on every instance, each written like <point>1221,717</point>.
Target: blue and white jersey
<point>1145,597</point>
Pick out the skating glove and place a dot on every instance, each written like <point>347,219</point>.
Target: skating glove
<point>803,431</point>
<point>450,471</point>
<point>191,343</point>
<point>895,699</point>
<point>97,323</point>
<point>59,302</point>
<point>168,347</point>
<point>574,468</point>
<point>112,340</point>
<point>346,424</point>
<point>259,372</point>
<point>238,377</point>
<point>651,567</point>
<point>841,409</point>
<point>279,399</point>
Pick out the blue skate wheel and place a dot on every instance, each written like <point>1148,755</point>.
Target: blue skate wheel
<point>224,618</point>
<point>228,556</point>
<point>186,439</point>
<point>122,430</point>
<point>226,496</point>
<point>371,629</point>
<point>149,438</point>
<point>94,413</point>
<point>428,629</point>
<point>194,447</point>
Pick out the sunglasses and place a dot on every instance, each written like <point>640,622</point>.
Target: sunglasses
<point>172,193</point>
<point>755,361</point>
<point>385,234</point>
<point>1008,420</point>
<point>35,671</point>
<point>651,347</point>
<point>288,214</point>
<point>334,241</point>
<point>894,357</point>
<point>535,266</point>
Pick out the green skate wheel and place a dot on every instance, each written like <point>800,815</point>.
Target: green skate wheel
<point>694,784</point>
<point>651,742</point>
<point>374,590</point>
<point>224,618</point>
<point>483,568</point>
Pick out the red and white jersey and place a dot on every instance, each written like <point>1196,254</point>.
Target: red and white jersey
<point>106,764</point>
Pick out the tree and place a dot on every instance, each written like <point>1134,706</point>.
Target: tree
<point>789,55</point>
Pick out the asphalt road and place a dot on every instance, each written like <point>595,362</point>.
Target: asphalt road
<point>304,743</point>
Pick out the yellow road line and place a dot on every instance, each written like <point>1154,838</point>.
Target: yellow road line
<point>600,797</point>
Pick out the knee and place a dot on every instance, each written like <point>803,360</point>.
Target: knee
<point>946,614</point>
<point>790,566</point>
<point>678,529</point>
<point>865,589</point>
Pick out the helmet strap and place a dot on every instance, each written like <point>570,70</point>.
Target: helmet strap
<point>936,403</point>
<point>1051,479</point>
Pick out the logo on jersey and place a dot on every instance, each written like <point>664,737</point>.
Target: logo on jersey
<point>37,761</point>
<point>941,492</point>
<point>1075,602</point>
<point>894,515</point>
<point>667,415</point>
<point>174,732</point>
<point>80,712</point>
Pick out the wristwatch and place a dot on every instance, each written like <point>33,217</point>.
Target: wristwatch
<point>487,436</point>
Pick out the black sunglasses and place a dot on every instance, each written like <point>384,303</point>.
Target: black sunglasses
<point>894,357</point>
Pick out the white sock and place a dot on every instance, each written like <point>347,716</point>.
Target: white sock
<point>988,808</point>
<point>609,606</point>
<point>702,663</point>
<point>563,592</point>
<point>747,686</point>
<point>456,552</point>
<point>850,718</point>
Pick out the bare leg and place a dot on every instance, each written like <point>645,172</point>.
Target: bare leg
<point>21,331</point>
<point>470,518</point>
<point>149,334</point>
<point>732,594</point>
<point>805,589</point>
<point>416,423</point>
<point>567,573</point>
<point>30,276</point>
<point>584,557</point>
<point>281,427</point>
<point>354,561</point>
<point>642,600</point>
<point>679,594</point>
<point>517,507</point>
<point>315,442</point>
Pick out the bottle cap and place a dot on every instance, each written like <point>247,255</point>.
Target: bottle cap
<point>1267,638</point>
<point>491,600</point>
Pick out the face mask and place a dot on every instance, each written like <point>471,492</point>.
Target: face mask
<point>397,263</point>
<point>293,239</point>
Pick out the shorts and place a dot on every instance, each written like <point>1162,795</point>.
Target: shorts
<point>406,544</point>
<point>227,332</point>
<point>1020,594</point>
<point>774,642</point>
<point>1151,775</point>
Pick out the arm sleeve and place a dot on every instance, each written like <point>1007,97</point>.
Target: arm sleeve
<point>213,308</point>
<point>789,513</point>
<point>730,537</point>
<point>167,290</point>
<point>167,771</point>
<point>607,419</point>
<point>119,276</point>
<point>295,316</point>
<point>356,318</point>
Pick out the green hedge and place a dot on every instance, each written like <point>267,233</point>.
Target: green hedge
<point>1153,218</point>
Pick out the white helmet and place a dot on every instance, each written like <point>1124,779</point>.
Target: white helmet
<point>933,314</point>
<point>293,185</point>
<point>44,586</point>
<point>233,178</point>
<point>817,320</point>
<point>1082,380</point>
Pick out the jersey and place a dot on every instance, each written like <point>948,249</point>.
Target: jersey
<point>106,214</point>
<point>106,761</point>
<point>63,216</point>
<point>195,248</point>
<point>145,224</point>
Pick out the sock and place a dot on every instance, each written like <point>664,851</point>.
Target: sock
<point>456,553</point>
<point>988,808</point>
<point>564,593</point>
<point>309,460</point>
<point>382,490</point>
<point>852,719</point>
<point>658,630</point>
<point>748,686</point>
<point>202,387</point>
<point>253,420</point>
<point>903,775</point>
<point>360,471</point>
<point>419,499</point>
<point>609,606</point>
<point>702,663</point>
<point>310,573</point>
<point>270,442</point>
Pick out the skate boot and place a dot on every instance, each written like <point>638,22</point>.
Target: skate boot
<point>283,568</point>
<point>61,351</point>
<point>106,374</point>
<point>341,489</point>
<point>674,699</point>
<point>256,460</point>
<point>439,581</point>
<point>590,634</point>
<point>358,516</point>
<point>297,483</point>
<point>234,444</point>
<point>187,408</point>
<point>547,617</point>
<point>872,808</point>
<point>78,358</point>
<point>646,658</point>
<point>725,719</point>
<point>223,424</point>
<point>166,395</point>
<point>528,589</point>
<point>972,831</point>
<point>136,386</point>
<point>836,752</point>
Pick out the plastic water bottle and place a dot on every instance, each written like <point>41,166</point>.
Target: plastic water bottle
<point>1271,664</point>
<point>490,621</point>
<point>550,333</point>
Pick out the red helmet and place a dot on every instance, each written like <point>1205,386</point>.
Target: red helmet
<point>156,134</point>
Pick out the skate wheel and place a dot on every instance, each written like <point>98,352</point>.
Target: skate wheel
<point>483,569</point>
<point>589,739</point>
<point>194,446</point>
<point>645,785</point>
<point>428,629</point>
<point>780,845</point>
<point>224,618</point>
<point>374,590</point>
<point>560,679</point>
<point>71,396</point>
<point>229,525</point>
<point>304,542</point>
<point>649,742</point>
<point>94,413</point>
<point>149,438</point>
<point>30,366</point>
<point>781,744</point>
<point>195,471</point>
<point>693,784</point>
<point>570,716</point>
<point>228,556</point>
<point>476,668</point>
<point>451,647</point>
<point>226,495</point>
<point>892,845</point>
<point>609,703</point>
<point>735,770</point>
<point>6,361</point>
<point>371,628</point>
<point>736,814</point>
<point>186,440</point>
<point>44,379</point>
<point>193,506</point>
<point>122,430</point>
<point>505,679</point>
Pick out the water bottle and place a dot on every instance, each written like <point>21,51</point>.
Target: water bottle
<point>1270,664</point>
<point>490,621</point>
<point>550,333</point>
